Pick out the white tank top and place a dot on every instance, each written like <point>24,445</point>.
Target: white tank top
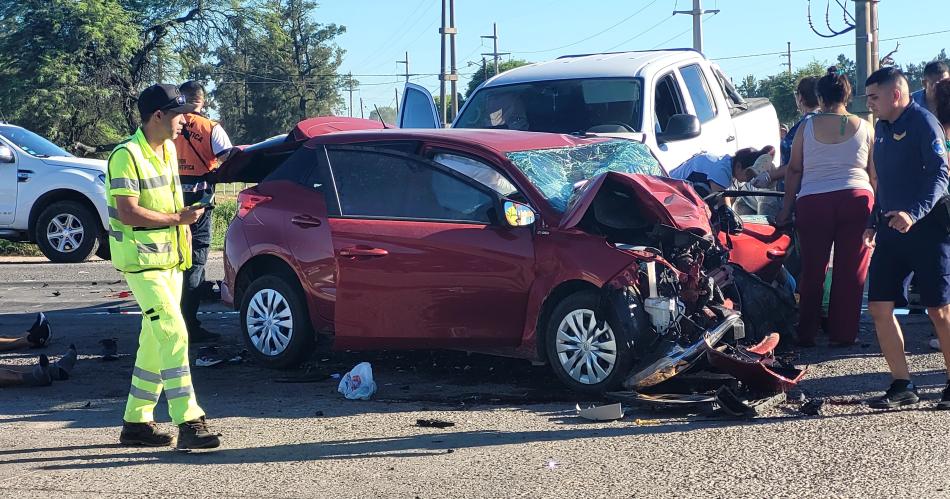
<point>835,167</point>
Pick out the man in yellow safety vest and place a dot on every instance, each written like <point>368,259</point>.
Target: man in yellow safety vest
<point>150,244</point>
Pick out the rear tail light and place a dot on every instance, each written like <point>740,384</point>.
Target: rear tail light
<point>248,199</point>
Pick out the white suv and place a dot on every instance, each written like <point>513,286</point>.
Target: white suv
<point>51,198</point>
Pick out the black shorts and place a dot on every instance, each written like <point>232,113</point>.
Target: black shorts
<point>924,255</point>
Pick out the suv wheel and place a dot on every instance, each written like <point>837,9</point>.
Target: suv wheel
<point>67,232</point>
<point>275,322</point>
<point>586,357</point>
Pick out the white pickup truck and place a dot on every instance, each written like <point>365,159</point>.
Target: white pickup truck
<point>676,101</point>
<point>51,198</point>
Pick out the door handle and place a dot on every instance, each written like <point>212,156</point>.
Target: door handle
<point>305,221</point>
<point>362,251</point>
<point>730,138</point>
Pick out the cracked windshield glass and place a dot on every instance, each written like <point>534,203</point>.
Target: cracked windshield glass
<point>557,172</point>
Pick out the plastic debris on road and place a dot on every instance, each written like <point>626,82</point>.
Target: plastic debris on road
<point>647,422</point>
<point>610,412</point>
<point>358,384</point>
<point>551,464</point>
<point>433,423</point>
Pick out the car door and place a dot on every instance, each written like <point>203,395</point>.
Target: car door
<point>668,101</point>
<point>421,262</point>
<point>417,109</point>
<point>718,132</point>
<point>8,187</point>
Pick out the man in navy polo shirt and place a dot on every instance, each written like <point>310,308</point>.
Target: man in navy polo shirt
<point>910,227</point>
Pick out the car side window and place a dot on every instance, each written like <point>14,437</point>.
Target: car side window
<point>699,92</point>
<point>308,167</point>
<point>478,171</point>
<point>668,101</point>
<point>381,184</point>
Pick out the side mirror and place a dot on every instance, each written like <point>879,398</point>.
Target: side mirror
<point>6,154</point>
<point>517,214</point>
<point>680,127</point>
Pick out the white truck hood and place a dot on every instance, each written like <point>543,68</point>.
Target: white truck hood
<point>83,163</point>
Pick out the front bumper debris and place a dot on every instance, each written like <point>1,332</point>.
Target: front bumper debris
<point>678,358</point>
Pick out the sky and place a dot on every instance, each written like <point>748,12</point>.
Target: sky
<point>380,32</point>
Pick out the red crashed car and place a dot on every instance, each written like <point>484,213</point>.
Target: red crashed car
<point>554,248</point>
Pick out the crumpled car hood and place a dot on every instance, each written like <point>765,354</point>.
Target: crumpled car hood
<point>670,202</point>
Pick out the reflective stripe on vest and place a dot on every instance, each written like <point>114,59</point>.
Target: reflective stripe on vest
<point>137,249</point>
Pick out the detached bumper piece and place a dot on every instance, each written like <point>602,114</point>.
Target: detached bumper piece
<point>755,367</point>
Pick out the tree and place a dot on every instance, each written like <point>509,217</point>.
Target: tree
<point>488,70</point>
<point>387,112</point>
<point>277,68</point>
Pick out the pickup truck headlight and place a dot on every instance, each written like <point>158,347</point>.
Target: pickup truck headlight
<point>102,178</point>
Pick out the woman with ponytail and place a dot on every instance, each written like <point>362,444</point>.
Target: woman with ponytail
<point>830,187</point>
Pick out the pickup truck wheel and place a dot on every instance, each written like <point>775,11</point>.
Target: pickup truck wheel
<point>275,322</point>
<point>67,232</point>
<point>585,356</point>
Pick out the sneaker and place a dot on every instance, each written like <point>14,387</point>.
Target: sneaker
<point>944,403</point>
<point>934,343</point>
<point>40,333</point>
<point>901,393</point>
<point>202,335</point>
<point>194,434</point>
<point>144,434</point>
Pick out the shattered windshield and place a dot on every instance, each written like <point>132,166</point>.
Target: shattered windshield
<point>556,172</point>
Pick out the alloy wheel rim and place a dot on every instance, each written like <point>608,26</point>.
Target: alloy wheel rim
<point>270,322</point>
<point>65,232</point>
<point>586,352</point>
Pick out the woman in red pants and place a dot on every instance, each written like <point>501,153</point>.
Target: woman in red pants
<point>830,185</point>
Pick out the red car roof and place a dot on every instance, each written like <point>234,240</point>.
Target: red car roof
<point>502,141</point>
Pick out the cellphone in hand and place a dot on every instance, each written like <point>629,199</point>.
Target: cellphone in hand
<point>206,202</point>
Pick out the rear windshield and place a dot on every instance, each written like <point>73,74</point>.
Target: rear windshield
<point>561,106</point>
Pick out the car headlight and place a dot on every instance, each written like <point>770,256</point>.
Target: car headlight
<point>102,178</point>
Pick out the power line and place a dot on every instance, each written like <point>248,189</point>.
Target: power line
<point>638,35</point>
<point>812,49</point>
<point>682,33</point>
<point>591,36</point>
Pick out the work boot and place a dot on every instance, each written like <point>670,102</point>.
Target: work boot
<point>202,335</point>
<point>944,403</point>
<point>902,392</point>
<point>40,333</point>
<point>144,434</point>
<point>194,434</point>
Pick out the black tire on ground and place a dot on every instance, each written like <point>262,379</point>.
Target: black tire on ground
<point>77,216</point>
<point>103,251</point>
<point>288,298</point>
<point>587,300</point>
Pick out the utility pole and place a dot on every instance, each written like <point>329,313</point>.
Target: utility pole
<point>697,14</point>
<point>866,51</point>
<point>406,62</point>
<point>361,108</point>
<point>397,101</point>
<point>448,33</point>
<point>788,56</point>
<point>495,53</point>
<point>350,89</point>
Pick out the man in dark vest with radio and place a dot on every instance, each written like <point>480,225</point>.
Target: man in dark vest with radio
<point>910,227</point>
<point>202,146</point>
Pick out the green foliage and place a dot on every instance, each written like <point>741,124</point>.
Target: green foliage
<point>221,217</point>
<point>488,71</point>
<point>780,89</point>
<point>388,113</point>
<point>8,248</point>
<point>450,116</point>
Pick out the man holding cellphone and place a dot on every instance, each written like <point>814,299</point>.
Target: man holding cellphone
<point>202,146</point>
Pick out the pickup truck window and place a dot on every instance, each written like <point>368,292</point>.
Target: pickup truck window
<point>559,106</point>
<point>698,90</point>
<point>31,143</point>
<point>668,101</point>
<point>558,172</point>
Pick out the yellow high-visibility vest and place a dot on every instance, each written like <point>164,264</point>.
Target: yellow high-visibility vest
<point>135,170</point>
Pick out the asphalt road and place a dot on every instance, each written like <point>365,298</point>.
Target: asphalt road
<point>515,433</point>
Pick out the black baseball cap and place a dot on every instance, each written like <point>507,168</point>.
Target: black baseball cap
<point>163,97</point>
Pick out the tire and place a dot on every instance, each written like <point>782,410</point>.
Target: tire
<point>67,232</point>
<point>570,340</point>
<point>103,251</point>
<point>286,344</point>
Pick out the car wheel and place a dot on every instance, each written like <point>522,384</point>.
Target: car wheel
<point>587,357</point>
<point>67,232</point>
<point>103,251</point>
<point>275,322</point>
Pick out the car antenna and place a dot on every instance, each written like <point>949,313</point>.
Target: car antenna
<point>380,116</point>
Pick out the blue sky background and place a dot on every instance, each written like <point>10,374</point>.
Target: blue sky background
<point>379,32</point>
